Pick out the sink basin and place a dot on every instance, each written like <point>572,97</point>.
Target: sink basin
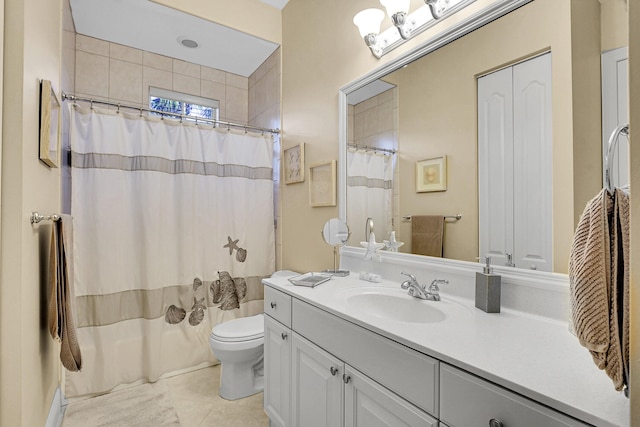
<point>396,305</point>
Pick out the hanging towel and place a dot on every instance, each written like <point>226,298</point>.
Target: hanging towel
<point>61,297</point>
<point>427,235</point>
<point>599,283</point>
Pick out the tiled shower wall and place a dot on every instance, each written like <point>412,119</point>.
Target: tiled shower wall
<point>122,74</point>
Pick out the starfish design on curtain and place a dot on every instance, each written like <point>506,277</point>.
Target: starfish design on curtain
<point>233,244</point>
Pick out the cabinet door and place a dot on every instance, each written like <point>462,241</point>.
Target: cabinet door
<point>368,404</point>
<point>495,164</point>
<point>277,372</point>
<point>533,161</point>
<point>317,386</point>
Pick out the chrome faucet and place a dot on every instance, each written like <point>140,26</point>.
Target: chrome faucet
<point>419,291</point>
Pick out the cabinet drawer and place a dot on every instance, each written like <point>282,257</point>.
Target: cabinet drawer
<point>466,400</point>
<point>408,373</point>
<point>277,305</point>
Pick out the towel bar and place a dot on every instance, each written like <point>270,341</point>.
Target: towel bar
<point>454,217</point>
<point>36,217</point>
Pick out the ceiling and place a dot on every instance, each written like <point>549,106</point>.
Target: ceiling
<point>149,26</point>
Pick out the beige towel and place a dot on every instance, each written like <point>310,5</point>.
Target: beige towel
<point>61,297</point>
<point>599,283</point>
<point>427,235</point>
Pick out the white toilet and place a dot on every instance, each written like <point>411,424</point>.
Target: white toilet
<point>239,345</point>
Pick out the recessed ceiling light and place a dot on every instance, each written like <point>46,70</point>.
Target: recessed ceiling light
<point>192,44</point>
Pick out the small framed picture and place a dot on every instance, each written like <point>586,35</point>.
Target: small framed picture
<point>49,125</point>
<point>431,175</point>
<point>322,184</point>
<point>293,164</point>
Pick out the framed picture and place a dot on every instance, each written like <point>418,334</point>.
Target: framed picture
<point>322,184</point>
<point>431,175</point>
<point>293,164</point>
<point>49,125</point>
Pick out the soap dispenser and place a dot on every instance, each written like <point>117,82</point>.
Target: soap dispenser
<point>488,289</point>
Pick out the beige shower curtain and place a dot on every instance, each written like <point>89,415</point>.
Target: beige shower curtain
<point>173,231</point>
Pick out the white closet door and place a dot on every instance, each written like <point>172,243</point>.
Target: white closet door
<point>533,160</point>
<point>515,164</point>
<point>495,164</point>
<point>615,111</point>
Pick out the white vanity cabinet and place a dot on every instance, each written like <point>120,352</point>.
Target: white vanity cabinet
<point>466,400</point>
<point>323,389</point>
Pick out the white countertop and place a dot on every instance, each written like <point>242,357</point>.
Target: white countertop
<point>531,355</point>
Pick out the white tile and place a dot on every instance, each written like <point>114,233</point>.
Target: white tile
<point>237,104</point>
<point>212,74</point>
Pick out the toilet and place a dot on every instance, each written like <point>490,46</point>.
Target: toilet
<point>239,345</point>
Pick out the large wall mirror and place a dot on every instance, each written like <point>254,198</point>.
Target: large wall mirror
<point>425,106</point>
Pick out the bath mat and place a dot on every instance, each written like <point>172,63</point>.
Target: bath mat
<point>145,405</point>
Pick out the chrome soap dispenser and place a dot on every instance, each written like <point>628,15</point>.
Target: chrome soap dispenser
<point>488,289</point>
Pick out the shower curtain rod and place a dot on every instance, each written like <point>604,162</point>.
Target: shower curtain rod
<point>369,148</point>
<point>215,123</point>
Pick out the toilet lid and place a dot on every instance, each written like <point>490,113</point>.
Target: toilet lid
<point>242,329</point>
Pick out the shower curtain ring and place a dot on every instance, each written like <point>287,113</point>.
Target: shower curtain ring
<point>91,104</point>
<point>140,111</point>
<point>118,111</point>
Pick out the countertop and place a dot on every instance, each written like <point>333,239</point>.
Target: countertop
<point>534,356</point>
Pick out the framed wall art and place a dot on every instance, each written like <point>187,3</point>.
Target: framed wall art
<point>431,175</point>
<point>322,184</point>
<point>49,125</point>
<point>293,164</point>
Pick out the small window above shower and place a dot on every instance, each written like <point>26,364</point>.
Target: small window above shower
<point>183,104</point>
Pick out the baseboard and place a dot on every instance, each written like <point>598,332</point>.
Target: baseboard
<point>56,411</point>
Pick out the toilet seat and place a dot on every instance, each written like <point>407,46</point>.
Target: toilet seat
<point>239,330</point>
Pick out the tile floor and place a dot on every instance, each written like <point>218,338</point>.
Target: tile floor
<point>196,400</point>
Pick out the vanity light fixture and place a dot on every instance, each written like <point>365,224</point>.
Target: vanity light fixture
<point>368,22</point>
<point>398,11</point>
<point>407,24</point>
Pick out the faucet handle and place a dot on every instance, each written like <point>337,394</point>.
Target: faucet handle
<point>407,283</point>
<point>433,287</point>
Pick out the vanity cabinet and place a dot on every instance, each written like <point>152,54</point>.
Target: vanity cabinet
<point>466,400</point>
<point>323,389</point>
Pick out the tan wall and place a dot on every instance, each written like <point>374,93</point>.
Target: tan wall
<point>634,123</point>
<point>29,367</point>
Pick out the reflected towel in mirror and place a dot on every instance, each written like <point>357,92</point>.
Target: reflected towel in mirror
<point>427,235</point>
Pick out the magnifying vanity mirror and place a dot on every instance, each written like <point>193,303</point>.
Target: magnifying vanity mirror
<point>336,233</point>
<point>429,104</point>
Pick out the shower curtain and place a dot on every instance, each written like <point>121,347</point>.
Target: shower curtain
<point>369,193</point>
<point>173,232</point>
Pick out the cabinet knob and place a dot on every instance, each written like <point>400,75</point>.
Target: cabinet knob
<point>346,378</point>
<point>495,423</point>
<point>333,371</point>
<point>284,336</point>
<point>273,305</point>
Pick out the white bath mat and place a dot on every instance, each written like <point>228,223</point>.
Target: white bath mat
<point>143,406</point>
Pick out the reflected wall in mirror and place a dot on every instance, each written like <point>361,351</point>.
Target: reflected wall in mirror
<point>429,108</point>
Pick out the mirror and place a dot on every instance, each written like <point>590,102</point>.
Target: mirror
<point>425,107</point>
<point>336,233</point>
